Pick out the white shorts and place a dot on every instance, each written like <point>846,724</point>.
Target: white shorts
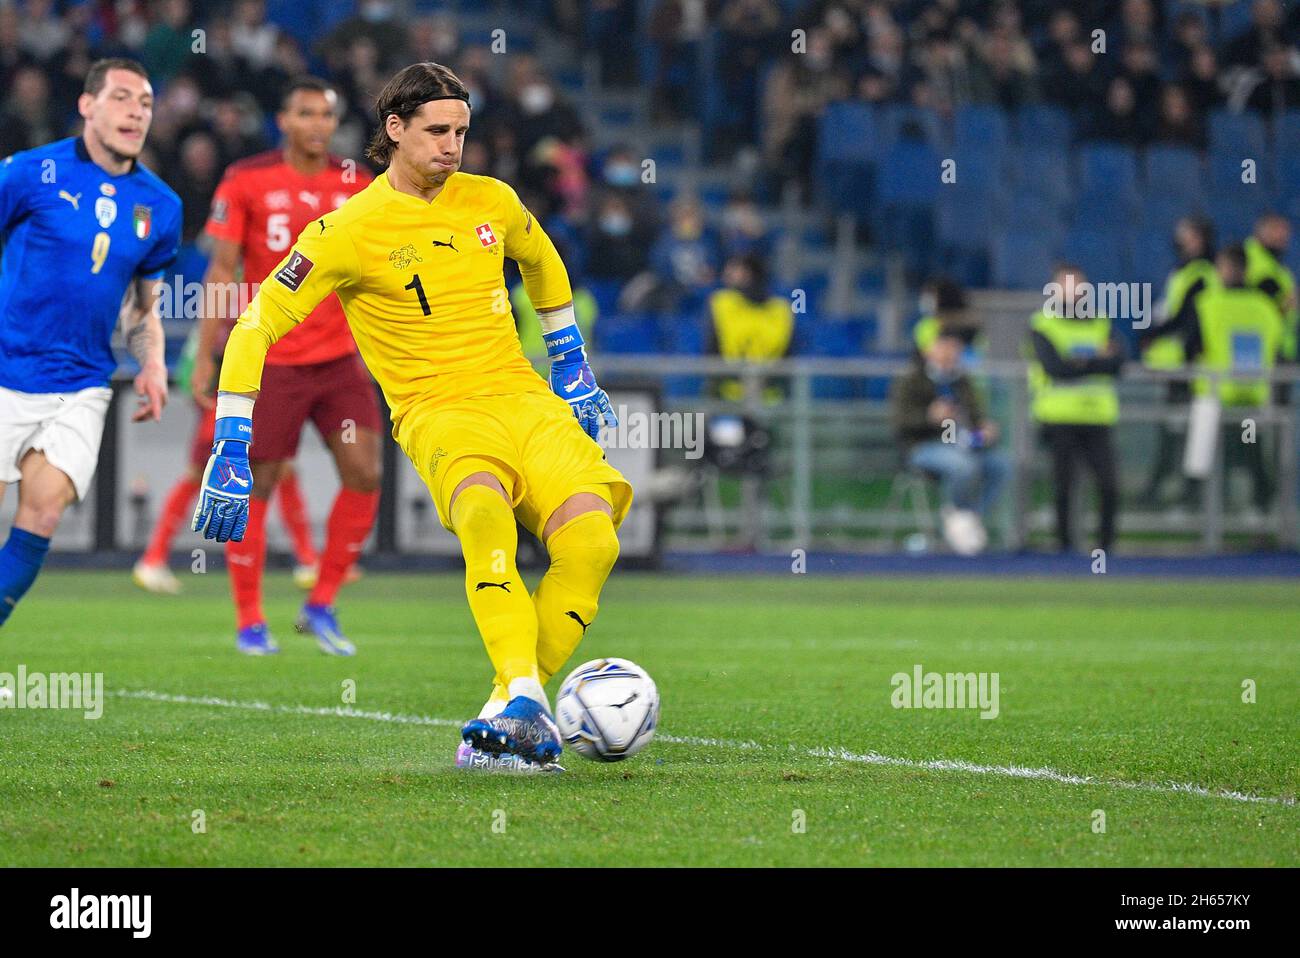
<point>67,427</point>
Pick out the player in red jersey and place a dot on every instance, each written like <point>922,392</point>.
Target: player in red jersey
<point>151,572</point>
<point>314,372</point>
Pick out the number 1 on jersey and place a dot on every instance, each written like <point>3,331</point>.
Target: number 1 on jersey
<point>416,285</point>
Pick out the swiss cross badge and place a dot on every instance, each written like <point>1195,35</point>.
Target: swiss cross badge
<point>485,235</point>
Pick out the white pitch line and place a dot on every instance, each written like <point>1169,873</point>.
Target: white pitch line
<point>834,754</point>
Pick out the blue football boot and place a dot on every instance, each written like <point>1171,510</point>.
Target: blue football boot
<point>523,728</point>
<point>256,640</point>
<point>320,621</point>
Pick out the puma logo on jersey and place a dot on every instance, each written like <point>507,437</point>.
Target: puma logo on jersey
<point>504,586</point>
<point>74,200</point>
<point>449,242</point>
<point>322,224</point>
<point>576,618</point>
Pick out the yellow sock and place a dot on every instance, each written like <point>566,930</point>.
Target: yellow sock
<point>503,611</point>
<point>583,552</point>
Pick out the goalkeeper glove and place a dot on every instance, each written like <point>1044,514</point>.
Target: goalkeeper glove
<point>222,510</point>
<point>574,382</point>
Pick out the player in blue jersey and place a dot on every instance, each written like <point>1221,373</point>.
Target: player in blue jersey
<point>83,224</point>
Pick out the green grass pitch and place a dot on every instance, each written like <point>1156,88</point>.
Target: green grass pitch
<point>1129,689</point>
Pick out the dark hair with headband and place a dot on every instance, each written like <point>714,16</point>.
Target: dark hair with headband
<point>404,94</point>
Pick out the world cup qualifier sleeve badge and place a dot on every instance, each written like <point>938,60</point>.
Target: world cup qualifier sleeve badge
<point>142,220</point>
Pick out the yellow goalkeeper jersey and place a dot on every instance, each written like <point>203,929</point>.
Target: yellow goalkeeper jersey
<point>422,287</point>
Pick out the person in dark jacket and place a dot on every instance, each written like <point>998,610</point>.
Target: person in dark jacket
<point>940,422</point>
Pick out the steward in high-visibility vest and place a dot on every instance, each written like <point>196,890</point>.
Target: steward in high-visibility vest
<point>1241,331</point>
<point>1239,336</point>
<point>1075,381</point>
<point>1167,351</point>
<point>745,323</point>
<point>1072,382</point>
<point>1266,272</point>
<point>1164,347</point>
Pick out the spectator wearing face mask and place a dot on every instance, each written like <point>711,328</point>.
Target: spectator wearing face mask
<point>743,228</point>
<point>619,242</point>
<point>376,22</point>
<point>540,110</point>
<point>621,173</point>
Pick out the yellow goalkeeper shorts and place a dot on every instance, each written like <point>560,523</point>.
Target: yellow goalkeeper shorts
<point>530,441</point>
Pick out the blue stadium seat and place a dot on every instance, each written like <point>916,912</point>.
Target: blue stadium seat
<point>909,175</point>
<point>848,144</point>
<point>1286,176</point>
<point>1153,258</point>
<point>1029,211</point>
<point>1041,127</point>
<point>895,116</point>
<point>605,292</point>
<point>1109,170</point>
<point>1043,175</point>
<point>871,281</point>
<point>683,335</point>
<point>1175,170</point>
<point>814,286</point>
<point>848,132</point>
<point>965,221</point>
<point>628,333</point>
<point>668,154</point>
<point>1235,209</point>
<point>838,339</point>
<point>978,170</point>
<point>1023,259</point>
<point>1102,254</point>
<point>1159,212</point>
<point>1238,134</point>
<point>977,126</point>
<point>1286,132</point>
<point>909,187</point>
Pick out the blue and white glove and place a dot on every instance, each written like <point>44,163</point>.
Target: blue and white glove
<point>574,382</point>
<point>222,511</point>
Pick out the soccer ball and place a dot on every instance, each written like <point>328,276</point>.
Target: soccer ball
<point>607,709</point>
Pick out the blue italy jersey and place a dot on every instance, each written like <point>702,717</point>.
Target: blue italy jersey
<point>74,239</point>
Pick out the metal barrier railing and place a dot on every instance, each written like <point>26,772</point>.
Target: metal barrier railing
<point>820,440</point>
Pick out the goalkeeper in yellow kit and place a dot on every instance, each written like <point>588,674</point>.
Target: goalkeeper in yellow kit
<point>416,260</point>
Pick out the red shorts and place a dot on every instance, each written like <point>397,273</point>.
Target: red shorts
<point>329,394</point>
<point>201,441</point>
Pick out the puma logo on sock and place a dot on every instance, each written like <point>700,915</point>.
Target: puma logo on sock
<point>505,586</point>
<point>575,617</point>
